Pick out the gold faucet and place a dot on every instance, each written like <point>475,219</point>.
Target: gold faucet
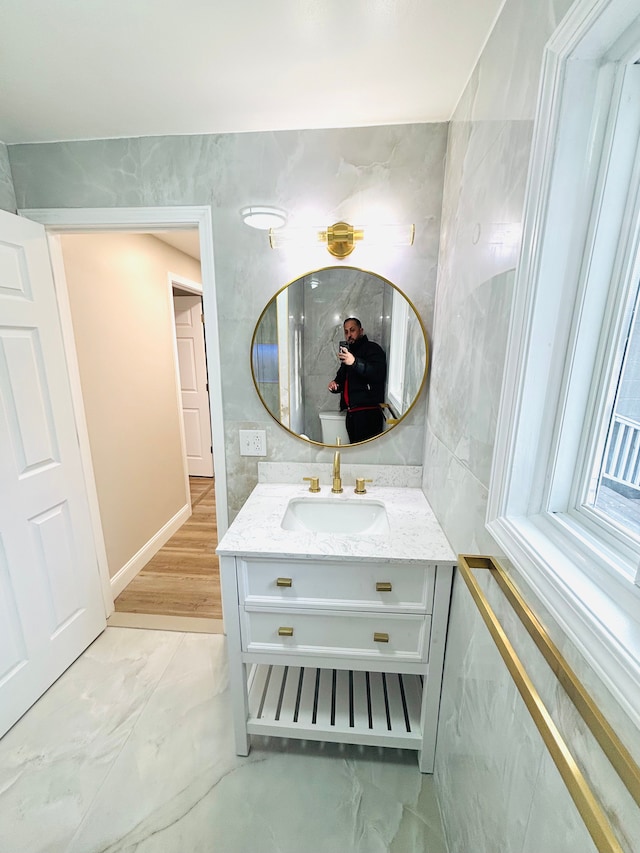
<point>337,480</point>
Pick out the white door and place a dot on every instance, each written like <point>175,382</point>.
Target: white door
<point>193,384</point>
<point>51,605</point>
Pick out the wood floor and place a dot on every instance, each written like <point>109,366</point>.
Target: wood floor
<point>183,578</point>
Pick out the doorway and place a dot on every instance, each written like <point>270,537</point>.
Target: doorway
<point>207,499</point>
<point>180,585</point>
<point>191,359</point>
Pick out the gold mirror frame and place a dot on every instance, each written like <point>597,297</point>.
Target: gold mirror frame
<point>393,423</point>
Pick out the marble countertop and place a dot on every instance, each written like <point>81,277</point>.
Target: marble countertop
<point>415,534</point>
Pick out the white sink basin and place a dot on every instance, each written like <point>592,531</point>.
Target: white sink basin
<point>331,515</point>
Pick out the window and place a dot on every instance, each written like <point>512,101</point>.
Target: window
<point>565,452</point>
<point>397,353</point>
<point>613,492</point>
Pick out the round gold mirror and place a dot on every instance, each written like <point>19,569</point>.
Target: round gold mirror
<point>330,394</point>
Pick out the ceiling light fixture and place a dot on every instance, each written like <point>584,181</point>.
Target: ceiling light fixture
<point>263,217</point>
<point>341,238</point>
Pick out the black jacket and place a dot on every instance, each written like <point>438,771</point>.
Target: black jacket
<point>367,375</point>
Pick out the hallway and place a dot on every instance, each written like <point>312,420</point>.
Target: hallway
<point>182,579</point>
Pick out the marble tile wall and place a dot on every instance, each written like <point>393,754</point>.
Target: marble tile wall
<point>405,476</point>
<point>7,193</point>
<point>498,788</point>
<point>391,174</point>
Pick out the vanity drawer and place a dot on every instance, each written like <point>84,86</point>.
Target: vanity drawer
<point>337,585</point>
<point>401,637</point>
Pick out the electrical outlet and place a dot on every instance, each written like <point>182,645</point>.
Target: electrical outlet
<point>253,442</point>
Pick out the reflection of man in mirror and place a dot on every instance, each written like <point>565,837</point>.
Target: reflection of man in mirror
<point>360,381</point>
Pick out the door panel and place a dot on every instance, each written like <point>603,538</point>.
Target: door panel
<point>51,604</point>
<point>193,384</point>
<point>13,650</point>
<point>26,408</point>
<point>193,434</point>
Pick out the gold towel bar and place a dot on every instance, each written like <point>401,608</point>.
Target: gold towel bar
<point>591,811</point>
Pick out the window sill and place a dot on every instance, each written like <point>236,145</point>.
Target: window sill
<point>556,563</point>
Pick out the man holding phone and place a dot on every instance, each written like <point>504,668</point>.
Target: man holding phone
<point>360,381</point>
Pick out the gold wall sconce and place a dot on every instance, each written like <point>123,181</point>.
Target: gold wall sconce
<point>341,238</point>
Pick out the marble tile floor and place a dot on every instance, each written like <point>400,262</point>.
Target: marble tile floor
<point>131,750</point>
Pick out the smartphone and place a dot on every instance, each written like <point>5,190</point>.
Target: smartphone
<point>343,345</point>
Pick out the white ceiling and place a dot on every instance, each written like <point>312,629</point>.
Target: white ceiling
<point>185,241</point>
<point>111,68</point>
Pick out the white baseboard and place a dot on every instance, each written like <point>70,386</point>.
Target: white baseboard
<point>139,560</point>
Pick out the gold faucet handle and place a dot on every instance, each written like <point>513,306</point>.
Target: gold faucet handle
<point>315,483</point>
<point>360,489</point>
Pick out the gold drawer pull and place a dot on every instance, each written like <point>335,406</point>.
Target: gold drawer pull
<point>285,632</point>
<point>283,582</point>
<point>380,638</point>
<point>383,586</point>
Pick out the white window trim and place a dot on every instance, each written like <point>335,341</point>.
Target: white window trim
<point>598,610</point>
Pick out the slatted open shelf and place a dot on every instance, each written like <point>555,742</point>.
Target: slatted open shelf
<point>338,705</point>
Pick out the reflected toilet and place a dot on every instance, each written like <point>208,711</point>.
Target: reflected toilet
<point>333,425</point>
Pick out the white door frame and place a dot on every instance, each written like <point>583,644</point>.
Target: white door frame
<point>184,284</point>
<point>195,289</point>
<point>59,221</point>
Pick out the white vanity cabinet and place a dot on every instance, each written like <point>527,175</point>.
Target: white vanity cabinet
<point>336,649</point>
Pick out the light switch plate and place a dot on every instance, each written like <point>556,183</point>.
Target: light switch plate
<point>253,442</point>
